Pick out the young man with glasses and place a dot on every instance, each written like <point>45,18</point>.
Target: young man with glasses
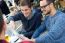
<point>54,23</point>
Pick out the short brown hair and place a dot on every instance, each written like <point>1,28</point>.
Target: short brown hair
<point>25,3</point>
<point>1,22</point>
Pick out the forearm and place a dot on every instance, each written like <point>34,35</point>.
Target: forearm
<point>33,40</point>
<point>39,31</point>
<point>12,24</point>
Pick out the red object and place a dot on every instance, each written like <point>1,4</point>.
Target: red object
<point>26,42</point>
<point>3,41</point>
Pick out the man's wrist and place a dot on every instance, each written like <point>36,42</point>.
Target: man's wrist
<point>33,40</point>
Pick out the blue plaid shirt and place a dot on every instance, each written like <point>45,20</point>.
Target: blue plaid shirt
<point>56,29</point>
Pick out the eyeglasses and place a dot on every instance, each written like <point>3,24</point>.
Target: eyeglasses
<point>44,6</point>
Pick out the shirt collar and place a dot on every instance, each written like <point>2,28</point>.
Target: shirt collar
<point>57,12</point>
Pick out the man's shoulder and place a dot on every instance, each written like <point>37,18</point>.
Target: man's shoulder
<point>60,16</point>
<point>19,12</point>
<point>60,13</point>
<point>36,11</point>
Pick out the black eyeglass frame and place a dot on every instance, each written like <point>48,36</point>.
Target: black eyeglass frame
<point>44,6</point>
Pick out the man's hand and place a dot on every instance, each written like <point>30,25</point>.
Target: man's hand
<point>28,41</point>
<point>25,39</point>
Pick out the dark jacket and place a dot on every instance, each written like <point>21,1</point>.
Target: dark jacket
<point>29,25</point>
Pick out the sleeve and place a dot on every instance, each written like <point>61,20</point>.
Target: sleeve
<point>39,30</point>
<point>17,17</point>
<point>55,35</point>
<point>38,19</point>
<point>29,34</point>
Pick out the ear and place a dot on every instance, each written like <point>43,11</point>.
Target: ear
<point>51,5</point>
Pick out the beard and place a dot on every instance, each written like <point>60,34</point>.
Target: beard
<point>46,12</point>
